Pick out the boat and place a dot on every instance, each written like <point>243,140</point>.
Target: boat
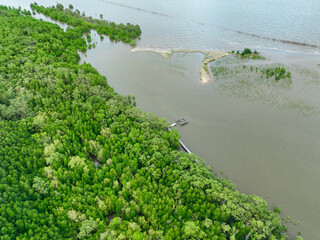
<point>181,121</point>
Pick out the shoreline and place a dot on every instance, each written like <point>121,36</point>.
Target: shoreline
<point>209,56</point>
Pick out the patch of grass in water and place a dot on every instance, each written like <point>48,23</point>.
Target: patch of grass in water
<point>277,72</point>
<point>216,71</point>
<point>256,82</point>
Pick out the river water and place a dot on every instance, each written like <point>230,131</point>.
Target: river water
<point>264,148</point>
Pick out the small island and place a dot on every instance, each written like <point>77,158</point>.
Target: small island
<point>248,53</point>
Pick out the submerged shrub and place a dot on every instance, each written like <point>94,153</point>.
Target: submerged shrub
<point>276,209</point>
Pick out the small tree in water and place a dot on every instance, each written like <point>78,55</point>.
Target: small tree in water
<point>246,51</point>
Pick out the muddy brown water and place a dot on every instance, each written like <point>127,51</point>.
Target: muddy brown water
<point>271,152</point>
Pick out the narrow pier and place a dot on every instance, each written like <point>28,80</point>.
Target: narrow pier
<point>184,147</point>
<point>180,141</point>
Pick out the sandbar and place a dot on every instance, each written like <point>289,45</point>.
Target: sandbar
<point>209,56</point>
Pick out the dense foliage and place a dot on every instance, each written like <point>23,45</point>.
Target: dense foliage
<point>82,24</point>
<point>77,160</point>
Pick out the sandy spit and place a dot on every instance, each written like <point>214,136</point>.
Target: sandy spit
<point>209,56</point>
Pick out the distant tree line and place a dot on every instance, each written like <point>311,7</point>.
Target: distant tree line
<point>82,24</point>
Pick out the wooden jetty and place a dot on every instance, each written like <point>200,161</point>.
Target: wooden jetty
<point>173,124</point>
<point>181,143</point>
<point>184,146</point>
